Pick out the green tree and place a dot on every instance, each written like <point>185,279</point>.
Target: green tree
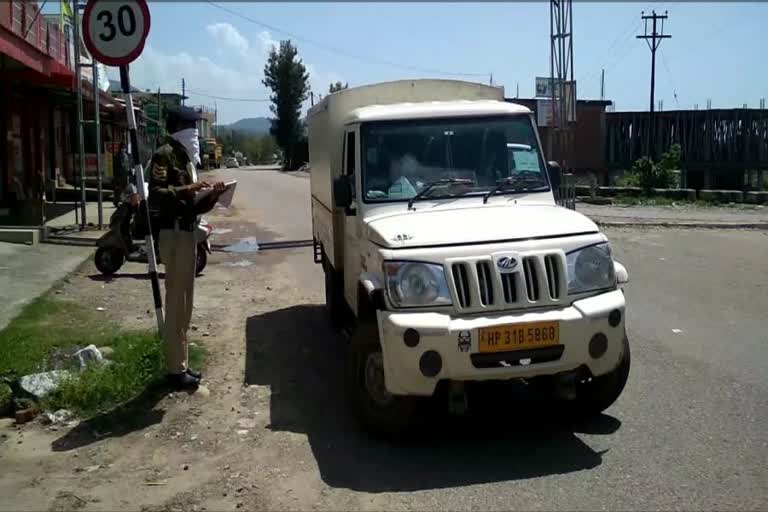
<point>286,76</point>
<point>337,87</point>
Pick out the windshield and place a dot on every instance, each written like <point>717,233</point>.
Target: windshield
<point>402,158</point>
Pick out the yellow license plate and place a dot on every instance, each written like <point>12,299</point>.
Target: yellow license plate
<point>506,338</point>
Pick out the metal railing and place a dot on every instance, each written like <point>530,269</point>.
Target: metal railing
<point>566,196</point>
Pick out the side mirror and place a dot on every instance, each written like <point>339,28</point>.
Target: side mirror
<point>622,276</point>
<point>555,175</point>
<point>342,192</point>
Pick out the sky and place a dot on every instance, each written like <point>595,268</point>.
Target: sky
<point>716,51</point>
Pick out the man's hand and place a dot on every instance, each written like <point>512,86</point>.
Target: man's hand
<point>198,186</point>
<point>219,187</point>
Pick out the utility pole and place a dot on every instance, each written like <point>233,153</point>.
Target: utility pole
<point>183,90</point>
<point>602,85</point>
<point>517,92</point>
<point>158,126</point>
<point>653,40</point>
<point>562,83</point>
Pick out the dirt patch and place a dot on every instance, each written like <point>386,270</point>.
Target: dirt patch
<point>161,451</point>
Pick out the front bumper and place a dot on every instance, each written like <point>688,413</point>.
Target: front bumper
<point>447,335</point>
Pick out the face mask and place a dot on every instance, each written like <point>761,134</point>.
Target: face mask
<point>188,139</point>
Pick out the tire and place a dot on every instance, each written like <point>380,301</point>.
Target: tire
<point>334,298</point>
<point>596,396</point>
<point>383,415</point>
<point>108,260</point>
<point>201,259</point>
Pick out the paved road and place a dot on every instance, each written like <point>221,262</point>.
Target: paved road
<point>689,432</point>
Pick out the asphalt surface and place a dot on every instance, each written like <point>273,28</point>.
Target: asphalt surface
<point>689,432</point>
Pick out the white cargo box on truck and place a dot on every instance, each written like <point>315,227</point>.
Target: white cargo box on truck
<point>326,122</point>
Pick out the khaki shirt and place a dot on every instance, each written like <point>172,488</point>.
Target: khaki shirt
<point>170,179</point>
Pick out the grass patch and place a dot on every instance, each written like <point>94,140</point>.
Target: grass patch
<point>47,327</point>
<point>44,325</point>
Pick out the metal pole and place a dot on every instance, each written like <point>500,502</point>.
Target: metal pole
<point>97,124</point>
<point>80,134</point>
<point>652,116</point>
<point>602,85</point>
<point>138,170</point>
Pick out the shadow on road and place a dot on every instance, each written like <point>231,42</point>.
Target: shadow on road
<point>294,351</point>
<point>141,277</point>
<point>132,416</point>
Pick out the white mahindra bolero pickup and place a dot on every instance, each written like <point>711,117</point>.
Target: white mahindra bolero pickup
<point>447,257</point>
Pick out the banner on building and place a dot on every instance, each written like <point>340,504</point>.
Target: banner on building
<point>544,87</point>
<point>544,112</point>
<point>90,165</point>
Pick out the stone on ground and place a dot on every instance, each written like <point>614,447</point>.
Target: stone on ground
<point>40,384</point>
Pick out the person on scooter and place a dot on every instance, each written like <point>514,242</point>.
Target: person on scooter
<point>172,187</point>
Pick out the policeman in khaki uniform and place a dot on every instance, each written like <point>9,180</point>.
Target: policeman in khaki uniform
<point>172,187</point>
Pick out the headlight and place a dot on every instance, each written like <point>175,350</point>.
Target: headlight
<point>590,268</point>
<point>412,284</point>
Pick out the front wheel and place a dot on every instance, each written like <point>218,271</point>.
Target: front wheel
<point>108,260</point>
<point>601,392</point>
<point>381,413</point>
<point>201,259</point>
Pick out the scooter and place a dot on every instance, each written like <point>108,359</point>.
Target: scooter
<point>124,241</point>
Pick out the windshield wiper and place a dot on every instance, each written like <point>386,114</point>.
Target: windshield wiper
<point>511,180</point>
<point>431,185</point>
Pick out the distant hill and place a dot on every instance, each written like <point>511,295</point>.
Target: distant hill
<point>250,125</point>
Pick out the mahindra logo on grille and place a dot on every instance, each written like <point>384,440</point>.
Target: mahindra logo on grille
<point>506,263</point>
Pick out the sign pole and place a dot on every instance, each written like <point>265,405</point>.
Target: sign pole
<point>138,169</point>
<point>114,31</point>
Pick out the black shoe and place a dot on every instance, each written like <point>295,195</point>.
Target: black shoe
<point>183,380</point>
<point>195,374</point>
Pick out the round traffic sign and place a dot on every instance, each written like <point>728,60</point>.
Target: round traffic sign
<point>114,31</point>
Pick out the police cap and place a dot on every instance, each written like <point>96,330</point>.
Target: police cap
<point>180,117</point>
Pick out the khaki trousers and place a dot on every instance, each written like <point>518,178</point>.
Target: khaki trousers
<point>178,254</point>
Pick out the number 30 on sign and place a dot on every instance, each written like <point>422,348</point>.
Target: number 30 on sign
<point>114,31</point>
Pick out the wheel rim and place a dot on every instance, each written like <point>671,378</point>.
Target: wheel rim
<point>374,379</point>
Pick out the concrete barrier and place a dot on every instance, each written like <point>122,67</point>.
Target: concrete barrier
<point>680,194</point>
<point>597,200</point>
<point>722,196</point>
<point>756,197</point>
<point>29,236</point>
<point>619,191</point>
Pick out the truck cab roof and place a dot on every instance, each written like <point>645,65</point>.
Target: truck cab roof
<point>434,109</point>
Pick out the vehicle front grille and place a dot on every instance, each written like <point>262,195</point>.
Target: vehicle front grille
<point>485,281</point>
<point>461,284</point>
<point>478,284</point>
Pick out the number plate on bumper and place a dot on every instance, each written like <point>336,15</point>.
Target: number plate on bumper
<point>507,338</point>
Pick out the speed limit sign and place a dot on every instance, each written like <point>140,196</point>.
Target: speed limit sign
<point>114,31</point>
